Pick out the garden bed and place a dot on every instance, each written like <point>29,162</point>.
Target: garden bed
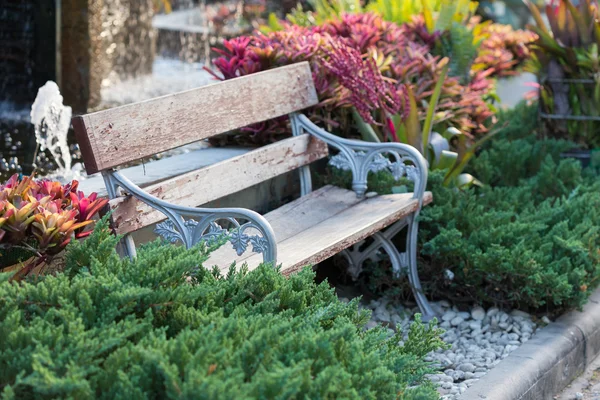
<point>511,241</point>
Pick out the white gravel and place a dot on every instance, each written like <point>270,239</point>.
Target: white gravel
<point>479,339</point>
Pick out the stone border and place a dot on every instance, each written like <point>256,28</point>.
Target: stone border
<point>548,362</point>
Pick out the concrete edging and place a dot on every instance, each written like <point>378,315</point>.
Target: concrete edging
<point>548,362</point>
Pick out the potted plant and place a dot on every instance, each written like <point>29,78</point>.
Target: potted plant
<point>566,61</point>
<point>38,218</point>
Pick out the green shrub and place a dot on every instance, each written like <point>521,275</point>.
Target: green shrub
<point>529,239</point>
<point>114,328</point>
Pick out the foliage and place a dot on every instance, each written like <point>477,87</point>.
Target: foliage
<point>440,14</point>
<point>566,59</point>
<point>450,28</point>
<point>528,239</point>
<point>433,146</point>
<point>448,19</point>
<point>119,329</point>
<point>383,81</point>
<point>503,50</point>
<point>43,216</point>
<point>350,45</point>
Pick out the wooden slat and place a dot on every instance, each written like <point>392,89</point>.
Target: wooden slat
<point>309,210</point>
<point>320,238</point>
<point>218,180</point>
<point>113,137</point>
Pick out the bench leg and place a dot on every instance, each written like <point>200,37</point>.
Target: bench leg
<point>413,273</point>
<point>126,247</point>
<point>400,261</point>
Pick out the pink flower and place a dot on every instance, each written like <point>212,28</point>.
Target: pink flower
<point>362,84</point>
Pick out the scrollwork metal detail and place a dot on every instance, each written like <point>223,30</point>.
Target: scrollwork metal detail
<point>259,244</point>
<point>360,157</point>
<point>190,225</point>
<point>215,232</point>
<point>239,240</point>
<point>378,163</point>
<point>236,236</point>
<point>168,231</point>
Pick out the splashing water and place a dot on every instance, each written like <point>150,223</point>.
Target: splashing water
<point>52,120</point>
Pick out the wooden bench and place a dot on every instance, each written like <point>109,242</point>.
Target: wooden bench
<point>316,226</point>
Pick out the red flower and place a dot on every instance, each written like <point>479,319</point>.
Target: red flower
<point>87,207</point>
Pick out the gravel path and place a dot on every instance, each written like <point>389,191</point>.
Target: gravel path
<point>480,339</point>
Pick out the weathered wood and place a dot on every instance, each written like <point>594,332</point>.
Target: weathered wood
<point>344,229</point>
<point>306,236</point>
<point>218,180</point>
<point>113,137</point>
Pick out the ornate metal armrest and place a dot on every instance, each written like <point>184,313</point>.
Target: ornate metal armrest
<point>191,225</point>
<point>363,157</point>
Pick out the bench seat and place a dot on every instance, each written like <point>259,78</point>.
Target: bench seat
<point>321,224</point>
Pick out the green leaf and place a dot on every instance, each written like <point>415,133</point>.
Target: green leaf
<point>537,16</point>
<point>412,124</point>
<point>400,128</point>
<point>446,15</point>
<point>437,146</point>
<point>447,160</point>
<point>465,181</point>
<point>273,25</point>
<point>366,131</point>
<point>466,152</point>
<point>433,102</point>
<point>428,16</point>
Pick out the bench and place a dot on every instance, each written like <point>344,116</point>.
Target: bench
<point>316,226</point>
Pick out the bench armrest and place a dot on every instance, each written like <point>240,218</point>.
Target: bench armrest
<point>190,225</point>
<point>362,157</point>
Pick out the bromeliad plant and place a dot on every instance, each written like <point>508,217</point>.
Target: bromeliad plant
<point>399,59</point>
<point>376,80</point>
<point>567,61</point>
<point>504,51</point>
<point>448,27</point>
<point>38,218</point>
<point>407,39</point>
<point>448,20</point>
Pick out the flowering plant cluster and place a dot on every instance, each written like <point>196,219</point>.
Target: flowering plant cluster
<point>364,64</point>
<point>43,216</point>
<point>504,50</point>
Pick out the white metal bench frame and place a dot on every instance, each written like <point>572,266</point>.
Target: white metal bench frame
<point>192,225</point>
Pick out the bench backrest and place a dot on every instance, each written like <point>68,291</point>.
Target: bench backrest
<point>124,134</point>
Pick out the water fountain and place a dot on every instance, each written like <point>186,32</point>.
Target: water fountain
<point>52,120</point>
